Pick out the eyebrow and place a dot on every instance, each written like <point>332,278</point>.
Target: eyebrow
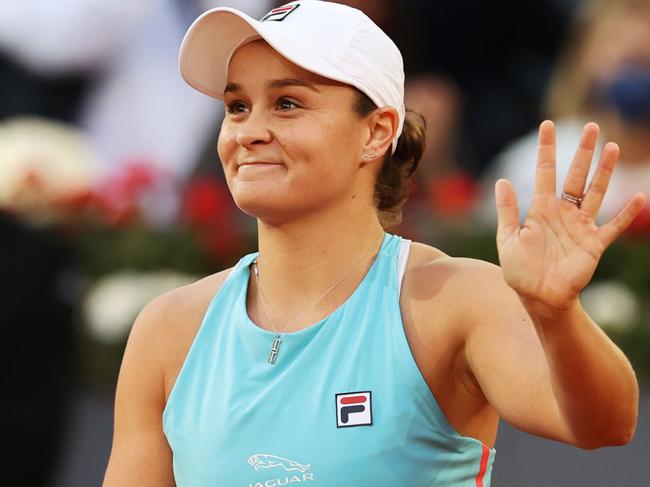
<point>282,83</point>
<point>232,87</point>
<point>276,83</point>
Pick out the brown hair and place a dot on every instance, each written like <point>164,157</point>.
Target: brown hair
<point>391,187</point>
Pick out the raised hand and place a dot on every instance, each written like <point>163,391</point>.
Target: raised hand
<point>551,257</point>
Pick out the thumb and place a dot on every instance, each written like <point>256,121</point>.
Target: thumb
<point>507,210</point>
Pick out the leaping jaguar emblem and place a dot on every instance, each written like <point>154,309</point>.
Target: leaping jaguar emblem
<point>262,460</point>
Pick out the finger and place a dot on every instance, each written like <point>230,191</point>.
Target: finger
<point>545,172</point>
<point>507,210</point>
<point>600,181</point>
<point>612,230</point>
<point>576,179</point>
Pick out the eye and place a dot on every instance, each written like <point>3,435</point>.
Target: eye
<point>285,104</point>
<point>236,107</point>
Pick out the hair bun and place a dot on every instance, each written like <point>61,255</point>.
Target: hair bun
<point>391,189</point>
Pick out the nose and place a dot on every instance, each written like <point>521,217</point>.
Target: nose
<point>254,130</point>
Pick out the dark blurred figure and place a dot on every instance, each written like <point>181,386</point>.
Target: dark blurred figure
<point>603,75</point>
<point>37,352</point>
<point>26,92</point>
<point>499,54</point>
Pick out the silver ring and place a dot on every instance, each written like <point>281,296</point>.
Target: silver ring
<point>572,199</point>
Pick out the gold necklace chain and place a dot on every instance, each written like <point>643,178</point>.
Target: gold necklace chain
<point>275,347</point>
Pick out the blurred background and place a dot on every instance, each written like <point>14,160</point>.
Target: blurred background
<point>111,192</point>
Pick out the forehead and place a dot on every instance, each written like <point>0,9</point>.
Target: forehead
<point>258,60</point>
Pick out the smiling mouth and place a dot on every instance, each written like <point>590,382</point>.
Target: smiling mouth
<point>260,164</point>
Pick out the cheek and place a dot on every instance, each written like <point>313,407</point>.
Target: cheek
<point>345,136</point>
<point>226,149</point>
<point>334,139</point>
<point>341,144</point>
<point>225,143</point>
<point>331,166</point>
<point>320,155</point>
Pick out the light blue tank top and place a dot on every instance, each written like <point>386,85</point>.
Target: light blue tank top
<point>344,405</point>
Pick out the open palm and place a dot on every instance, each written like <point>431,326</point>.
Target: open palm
<point>553,255</point>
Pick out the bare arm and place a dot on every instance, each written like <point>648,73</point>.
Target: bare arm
<point>593,382</point>
<point>155,352</point>
<point>140,455</point>
<point>552,371</point>
<point>558,377</point>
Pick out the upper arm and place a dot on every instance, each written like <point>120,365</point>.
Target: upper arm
<point>158,344</point>
<point>506,358</point>
<point>140,455</point>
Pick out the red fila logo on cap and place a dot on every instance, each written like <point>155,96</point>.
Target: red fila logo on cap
<point>353,409</point>
<point>280,13</point>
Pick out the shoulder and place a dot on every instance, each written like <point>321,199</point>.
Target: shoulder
<point>174,307</point>
<point>428,266</point>
<point>458,286</point>
<point>165,328</point>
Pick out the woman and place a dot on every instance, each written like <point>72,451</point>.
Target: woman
<point>341,354</point>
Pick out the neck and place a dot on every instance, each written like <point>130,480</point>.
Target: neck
<point>299,260</point>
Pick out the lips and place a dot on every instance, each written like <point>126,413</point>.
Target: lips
<point>259,163</point>
<point>251,170</point>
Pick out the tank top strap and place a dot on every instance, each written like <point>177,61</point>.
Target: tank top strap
<point>239,267</point>
<point>235,279</point>
<point>245,261</point>
<point>394,257</point>
<point>402,260</point>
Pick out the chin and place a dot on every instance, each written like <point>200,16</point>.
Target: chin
<point>274,207</point>
<point>262,203</point>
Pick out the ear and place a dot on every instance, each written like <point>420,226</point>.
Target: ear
<point>382,127</point>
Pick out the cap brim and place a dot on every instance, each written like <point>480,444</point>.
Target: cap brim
<point>213,38</point>
<point>208,46</point>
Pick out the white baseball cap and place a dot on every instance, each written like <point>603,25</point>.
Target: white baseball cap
<point>332,40</point>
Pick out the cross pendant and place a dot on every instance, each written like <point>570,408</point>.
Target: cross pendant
<point>275,348</point>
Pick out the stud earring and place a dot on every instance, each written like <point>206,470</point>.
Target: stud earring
<point>369,155</point>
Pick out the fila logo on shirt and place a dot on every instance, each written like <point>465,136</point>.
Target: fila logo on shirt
<point>353,409</point>
<point>280,13</point>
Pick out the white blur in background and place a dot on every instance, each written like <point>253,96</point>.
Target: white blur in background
<point>138,108</point>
